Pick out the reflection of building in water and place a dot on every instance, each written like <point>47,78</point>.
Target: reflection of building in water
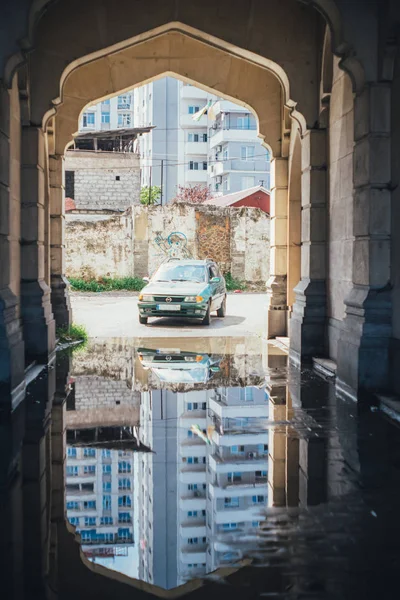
<point>237,469</point>
<point>185,479</point>
<point>99,498</point>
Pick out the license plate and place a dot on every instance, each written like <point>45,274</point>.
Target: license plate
<point>171,307</point>
<point>168,351</point>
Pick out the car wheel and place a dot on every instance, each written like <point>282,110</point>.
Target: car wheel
<point>207,318</point>
<point>143,320</point>
<point>221,312</point>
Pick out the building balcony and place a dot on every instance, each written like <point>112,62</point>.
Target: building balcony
<point>226,106</point>
<point>197,552</point>
<point>221,136</point>
<point>190,529</point>
<point>193,476</point>
<point>196,450</point>
<point>242,464</point>
<point>198,149</point>
<point>191,92</point>
<point>238,166</point>
<point>193,468</point>
<point>245,410</point>
<point>237,489</point>
<point>196,176</point>
<point>192,503</point>
<point>252,512</point>
<point>239,438</point>
<point>187,122</point>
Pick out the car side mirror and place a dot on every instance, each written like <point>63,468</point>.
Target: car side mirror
<point>146,279</point>
<point>215,279</point>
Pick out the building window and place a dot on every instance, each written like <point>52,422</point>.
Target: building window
<point>261,474</point>
<point>106,520</point>
<point>194,540</point>
<point>228,526</point>
<point>247,152</point>
<point>106,486</point>
<point>89,505</point>
<point>124,533</point>
<point>90,521</point>
<point>192,486</point>
<point>72,505</point>
<point>124,119</point>
<point>231,502</point>
<point>72,471</point>
<point>234,477</point>
<point>74,521</point>
<point>193,165</point>
<point>89,119</point>
<point>244,123</point>
<point>124,102</point>
<point>205,137</point>
<point>105,117</point>
<point>205,165</point>
<point>246,394</point>
<point>192,513</point>
<point>71,452</point>
<point>258,499</point>
<point>247,182</point>
<point>193,109</point>
<point>124,467</point>
<point>106,453</point>
<point>124,483</point>
<point>124,501</point>
<point>124,517</point>
<point>190,433</point>
<point>107,501</point>
<point>225,153</point>
<point>106,101</point>
<point>89,452</point>
<point>225,184</point>
<point>107,469</point>
<point>237,449</point>
<point>89,469</point>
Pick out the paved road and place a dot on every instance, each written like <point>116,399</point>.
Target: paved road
<point>115,315</point>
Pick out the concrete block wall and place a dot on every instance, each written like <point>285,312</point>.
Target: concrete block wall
<point>136,243</point>
<point>104,180</point>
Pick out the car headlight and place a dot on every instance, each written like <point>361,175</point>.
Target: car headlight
<point>190,358</point>
<point>196,299</point>
<point>146,298</point>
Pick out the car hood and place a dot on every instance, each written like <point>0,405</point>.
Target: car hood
<point>186,288</point>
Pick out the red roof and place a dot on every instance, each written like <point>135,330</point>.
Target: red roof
<point>235,197</point>
<point>69,204</point>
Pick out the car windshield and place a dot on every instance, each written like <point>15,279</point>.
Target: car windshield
<point>180,272</point>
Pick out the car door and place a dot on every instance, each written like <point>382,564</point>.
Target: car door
<point>217,288</point>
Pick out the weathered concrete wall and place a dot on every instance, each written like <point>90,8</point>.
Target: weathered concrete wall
<point>138,242</point>
<point>340,235</point>
<point>104,179</point>
<point>98,247</point>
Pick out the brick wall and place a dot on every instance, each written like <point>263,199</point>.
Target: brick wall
<point>103,180</point>
<point>136,243</point>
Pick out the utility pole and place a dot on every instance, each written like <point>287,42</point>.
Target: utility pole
<point>162,179</point>
<point>150,187</point>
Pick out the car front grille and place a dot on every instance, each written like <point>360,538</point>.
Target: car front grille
<point>168,358</point>
<point>173,298</point>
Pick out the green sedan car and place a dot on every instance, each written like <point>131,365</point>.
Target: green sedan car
<point>190,289</point>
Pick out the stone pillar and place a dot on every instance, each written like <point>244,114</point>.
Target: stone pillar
<point>363,350</point>
<point>12,386</point>
<point>308,322</point>
<point>59,284</point>
<point>277,283</point>
<point>37,318</point>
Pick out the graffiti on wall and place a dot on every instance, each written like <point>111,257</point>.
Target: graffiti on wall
<point>173,246</point>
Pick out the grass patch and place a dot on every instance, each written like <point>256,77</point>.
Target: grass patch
<point>73,333</point>
<point>234,284</point>
<point>107,284</point>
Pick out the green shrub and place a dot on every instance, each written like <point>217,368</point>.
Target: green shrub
<point>73,333</point>
<point>233,284</point>
<point>107,284</point>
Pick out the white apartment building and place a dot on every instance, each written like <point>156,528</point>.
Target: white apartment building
<point>99,499</point>
<point>114,113</point>
<point>220,150</point>
<point>193,496</point>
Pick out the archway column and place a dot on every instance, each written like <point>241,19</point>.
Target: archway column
<point>59,285</point>
<point>363,351</point>
<point>12,382</point>
<point>308,322</point>
<point>37,318</point>
<point>277,283</point>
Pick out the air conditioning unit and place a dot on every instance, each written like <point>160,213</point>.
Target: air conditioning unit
<point>218,179</point>
<point>214,126</point>
<point>219,148</point>
<point>252,455</point>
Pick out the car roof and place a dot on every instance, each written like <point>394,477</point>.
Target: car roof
<point>190,261</point>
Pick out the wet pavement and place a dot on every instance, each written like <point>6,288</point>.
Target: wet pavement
<point>199,465</point>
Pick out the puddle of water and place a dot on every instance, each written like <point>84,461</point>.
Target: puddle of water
<point>211,459</point>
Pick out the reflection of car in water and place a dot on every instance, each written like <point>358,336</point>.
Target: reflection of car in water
<point>179,366</point>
